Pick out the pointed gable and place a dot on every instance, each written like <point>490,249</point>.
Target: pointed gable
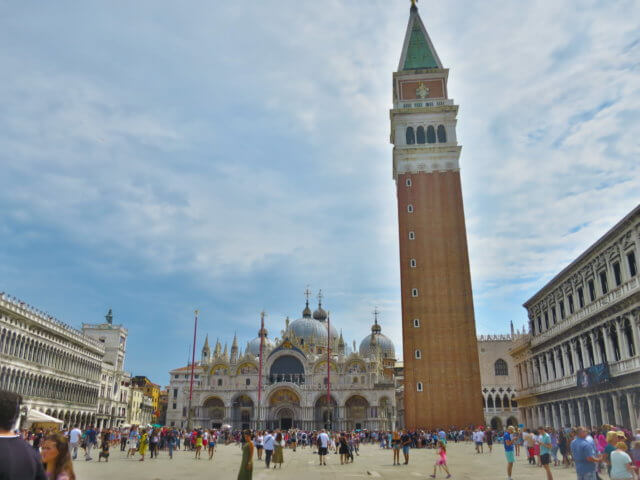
<point>418,51</point>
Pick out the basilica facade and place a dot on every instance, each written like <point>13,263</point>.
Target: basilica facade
<point>308,378</point>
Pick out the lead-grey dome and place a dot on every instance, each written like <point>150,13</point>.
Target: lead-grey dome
<point>308,328</point>
<point>253,346</point>
<point>377,340</point>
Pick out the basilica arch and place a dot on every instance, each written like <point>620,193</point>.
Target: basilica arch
<point>243,412</point>
<point>284,410</point>
<point>356,410</point>
<point>325,417</point>
<point>213,410</point>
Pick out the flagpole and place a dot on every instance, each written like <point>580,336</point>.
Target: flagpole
<point>329,370</point>
<point>193,364</point>
<point>260,372</point>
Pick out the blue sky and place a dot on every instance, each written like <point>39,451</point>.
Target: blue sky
<point>158,157</point>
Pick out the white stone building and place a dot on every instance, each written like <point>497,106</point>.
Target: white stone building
<point>295,381</point>
<point>114,381</point>
<point>498,378</point>
<point>580,365</point>
<point>55,367</point>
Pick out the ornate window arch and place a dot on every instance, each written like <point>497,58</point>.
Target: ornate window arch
<point>431,134</point>
<point>411,138</point>
<point>442,134</point>
<point>420,134</point>
<point>501,368</point>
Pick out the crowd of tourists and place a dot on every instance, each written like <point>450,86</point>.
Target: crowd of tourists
<point>48,455</point>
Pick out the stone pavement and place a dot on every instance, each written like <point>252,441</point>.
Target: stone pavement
<point>372,463</point>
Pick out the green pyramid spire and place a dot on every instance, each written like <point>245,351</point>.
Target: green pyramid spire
<point>418,51</point>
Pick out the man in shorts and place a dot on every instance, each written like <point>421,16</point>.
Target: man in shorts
<point>478,438</point>
<point>507,440</point>
<point>405,440</point>
<point>545,451</point>
<point>323,446</point>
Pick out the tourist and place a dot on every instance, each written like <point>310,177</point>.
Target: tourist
<point>517,435</point>
<point>132,442</point>
<point>478,439</point>
<point>584,455</point>
<point>278,451</point>
<point>268,444</point>
<point>545,451</point>
<point>530,444</point>
<point>441,463</point>
<point>396,445</point>
<point>172,441</point>
<point>199,441</point>
<point>508,441</point>
<point>75,435</point>
<point>154,439</point>
<point>405,440</point>
<point>143,444</point>
<point>343,449</point>
<point>621,464</point>
<point>323,446</point>
<point>258,444</point>
<point>212,444</point>
<point>554,446</point>
<point>91,440</point>
<point>25,463</point>
<point>124,435</point>
<point>612,440</point>
<point>489,439</point>
<point>104,447</point>
<point>246,466</point>
<point>56,457</point>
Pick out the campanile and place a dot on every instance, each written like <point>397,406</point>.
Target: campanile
<point>442,374</point>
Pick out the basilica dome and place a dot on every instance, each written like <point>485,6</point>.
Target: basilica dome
<point>377,340</point>
<point>253,346</point>
<point>306,328</point>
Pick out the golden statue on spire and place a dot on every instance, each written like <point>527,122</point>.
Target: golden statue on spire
<point>413,3</point>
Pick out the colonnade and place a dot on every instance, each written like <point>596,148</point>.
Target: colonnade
<point>612,341</point>
<point>621,408</point>
<point>31,384</point>
<point>23,347</point>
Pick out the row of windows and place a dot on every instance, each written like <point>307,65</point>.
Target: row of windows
<point>544,322</point>
<point>418,135</point>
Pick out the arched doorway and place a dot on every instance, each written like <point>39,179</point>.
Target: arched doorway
<point>242,412</point>
<point>284,409</point>
<point>496,423</point>
<point>213,410</point>
<point>356,409</point>
<point>512,421</point>
<point>325,413</point>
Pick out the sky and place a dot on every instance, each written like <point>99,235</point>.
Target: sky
<point>161,157</point>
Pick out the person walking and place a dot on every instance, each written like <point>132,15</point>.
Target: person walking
<point>258,444</point>
<point>584,455</point>
<point>171,440</point>
<point>199,441</point>
<point>405,440</point>
<point>56,457</point>
<point>246,465</point>
<point>323,446</point>
<point>143,444</point>
<point>91,439</point>
<point>343,449</point>
<point>278,451</point>
<point>441,463</point>
<point>489,439</point>
<point>75,435</point>
<point>212,444</point>
<point>545,451</point>
<point>268,443</point>
<point>508,442</point>
<point>621,465</point>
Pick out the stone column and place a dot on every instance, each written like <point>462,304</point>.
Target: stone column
<point>633,322</point>
<point>621,347</point>
<point>551,366</point>
<point>563,422</point>
<point>608,348</point>
<point>581,414</point>
<point>532,375</point>
<point>565,358</point>
<point>592,410</point>
<point>616,409</point>
<point>574,354</point>
<point>633,410</point>
<point>596,351</point>
<point>556,416</point>
<point>584,351</point>
<point>556,360</point>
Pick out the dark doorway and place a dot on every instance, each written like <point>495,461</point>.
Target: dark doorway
<point>286,423</point>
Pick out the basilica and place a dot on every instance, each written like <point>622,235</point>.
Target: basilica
<point>306,378</point>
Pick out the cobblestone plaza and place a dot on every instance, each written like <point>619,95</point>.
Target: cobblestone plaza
<point>373,462</point>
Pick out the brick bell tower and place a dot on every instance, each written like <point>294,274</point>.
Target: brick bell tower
<point>441,368</point>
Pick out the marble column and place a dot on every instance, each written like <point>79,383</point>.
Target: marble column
<point>635,334</point>
<point>556,358</point>
<point>592,411</point>
<point>574,354</point>
<point>608,347</point>
<point>581,413</point>
<point>583,350</point>
<point>596,351</point>
<point>616,409</point>
<point>563,421</point>
<point>633,410</point>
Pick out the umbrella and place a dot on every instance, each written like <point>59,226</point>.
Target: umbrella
<point>155,425</point>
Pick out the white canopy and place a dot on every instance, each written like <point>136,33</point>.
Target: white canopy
<point>34,416</point>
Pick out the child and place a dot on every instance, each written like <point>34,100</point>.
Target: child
<point>104,448</point>
<point>442,460</point>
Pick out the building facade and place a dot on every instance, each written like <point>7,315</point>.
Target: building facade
<point>310,379</point>
<point>580,364</point>
<point>111,409</point>
<point>55,367</point>
<point>498,379</point>
<point>151,390</point>
<point>440,352</point>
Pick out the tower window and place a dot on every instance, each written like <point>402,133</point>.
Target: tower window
<point>410,208</point>
<point>414,292</point>
<point>408,182</point>
<point>419,386</point>
<point>442,134</point>
<point>418,354</point>
<point>412,235</point>
<point>413,263</point>
<point>411,138</point>
<point>416,322</point>
<point>431,134</point>
<point>631,260</point>
<point>248,381</point>
<point>420,134</point>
